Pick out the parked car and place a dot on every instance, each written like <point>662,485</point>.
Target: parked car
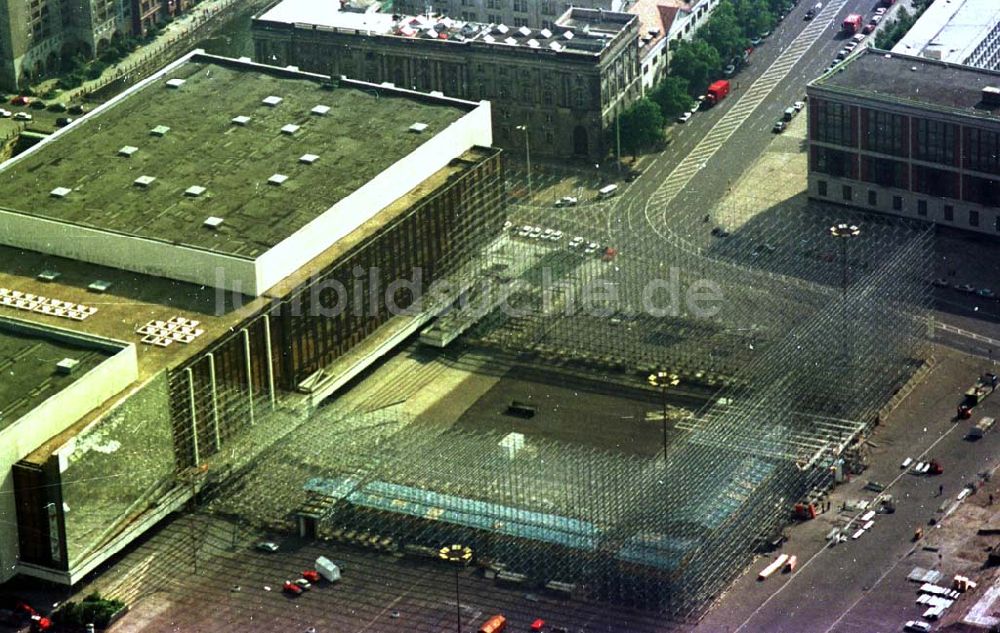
<point>940,282</point>
<point>779,127</point>
<point>858,38</point>
<point>965,288</point>
<point>875,19</point>
<point>567,201</point>
<point>756,42</point>
<point>5,114</point>
<point>917,625</point>
<point>22,116</point>
<point>291,588</point>
<point>555,236</point>
<point>868,28</point>
<point>267,546</point>
<point>304,584</point>
<point>684,117</point>
<point>799,105</point>
<point>21,100</point>
<point>56,106</point>
<point>880,11</point>
<point>986,292</point>
<point>37,105</point>
<point>63,121</point>
<point>76,108</point>
<point>632,174</point>
<point>720,232</point>
<point>850,46</point>
<point>765,35</point>
<point>729,71</point>
<point>575,242</point>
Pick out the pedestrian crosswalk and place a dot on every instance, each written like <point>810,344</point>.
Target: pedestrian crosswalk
<point>697,159</point>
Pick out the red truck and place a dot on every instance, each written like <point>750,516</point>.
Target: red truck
<point>852,24</point>
<point>716,92</point>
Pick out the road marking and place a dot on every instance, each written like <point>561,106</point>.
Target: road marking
<point>966,334</point>
<point>723,130</point>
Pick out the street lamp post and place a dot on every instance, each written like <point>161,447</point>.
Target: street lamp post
<point>527,156</point>
<point>663,380</point>
<point>845,233</point>
<point>459,556</point>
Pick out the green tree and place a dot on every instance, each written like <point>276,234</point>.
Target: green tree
<point>672,96</point>
<point>755,16</point>
<point>723,32</point>
<point>697,62</point>
<point>641,126</point>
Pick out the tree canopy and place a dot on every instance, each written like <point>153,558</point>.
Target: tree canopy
<point>672,96</point>
<point>641,126</point>
<point>697,62</point>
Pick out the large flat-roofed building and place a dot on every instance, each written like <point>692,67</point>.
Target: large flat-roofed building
<point>908,136</point>
<point>958,31</point>
<point>166,365</point>
<point>202,176</point>
<point>565,85</point>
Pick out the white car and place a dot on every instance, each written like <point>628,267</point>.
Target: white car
<point>507,225</point>
<point>798,105</point>
<point>880,11</point>
<point>575,242</point>
<point>267,546</point>
<point>589,251</point>
<point>6,114</point>
<point>594,245</point>
<point>684,117</point>
<point>536,232</point>
<point>555,236</point>
<point>566,201</point>
<point>22,116</point>
<point>917,625</point>
<point>860,37</point>
<point>305,584</point>
<point>547,233</point>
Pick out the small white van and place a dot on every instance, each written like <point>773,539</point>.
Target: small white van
<point>607,191</point>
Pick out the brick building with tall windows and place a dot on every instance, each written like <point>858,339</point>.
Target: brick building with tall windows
<point>908,136</point>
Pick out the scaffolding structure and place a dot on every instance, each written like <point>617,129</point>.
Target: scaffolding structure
<point>666,533</point>
<point>791,353</point>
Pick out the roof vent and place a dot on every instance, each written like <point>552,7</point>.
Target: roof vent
<point>194,191</point>
<point>308,159</point>
<point>320,110</point>
<point>418,127</point>
<point>291,128</point>
<point>545,33</point>
<point>212,222</point>
<point>524,31</point>
<point>511,41</point>
<point>127,151</point>
<point>144,181</point>
<point>175,83</point>
<point>532,43</point>
<point>240,120</point>
<point>568,35</point>
<point>60,192</point>
<point>489,39</point>
<point>272,101</point>
<point>159,130</point>
<point>991,95</point>
<point>502,29</point>
<point>556,46</point>
<point>277,179</point>
<point>67,366</point>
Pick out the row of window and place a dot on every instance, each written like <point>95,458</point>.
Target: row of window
<point>947,210</point>
<point>889,133</point>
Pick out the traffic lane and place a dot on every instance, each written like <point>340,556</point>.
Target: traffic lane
<point>832,583</point>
